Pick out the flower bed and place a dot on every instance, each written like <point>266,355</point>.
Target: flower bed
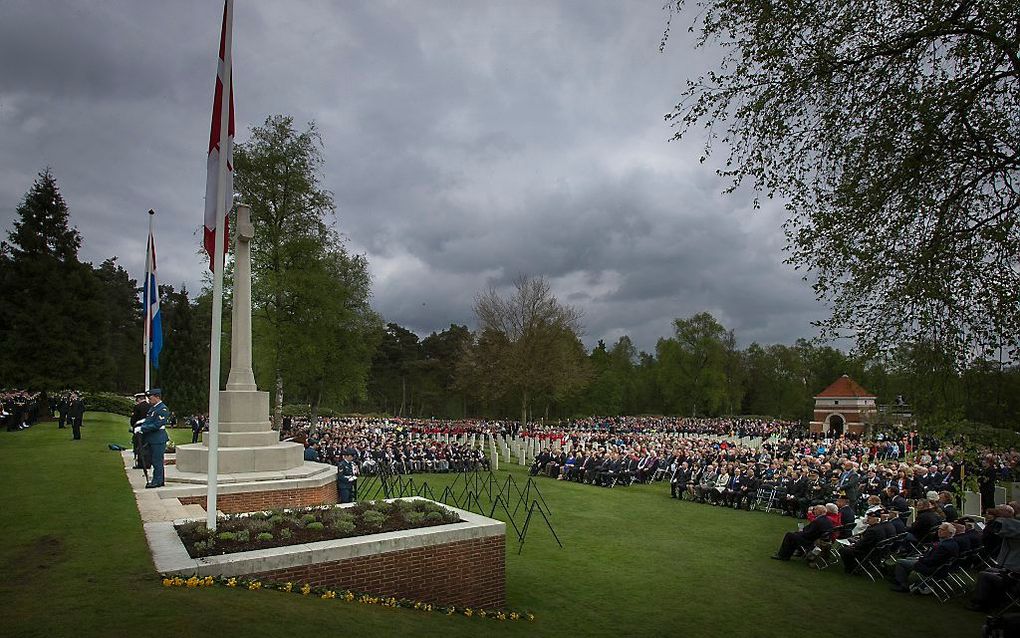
<point>279,528</point>
<point>346,595</point>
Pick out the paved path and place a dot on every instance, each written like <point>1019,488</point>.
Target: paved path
<point>152,506</point>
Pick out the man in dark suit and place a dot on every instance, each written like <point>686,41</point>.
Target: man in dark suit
<point>76,412</point>
<point>805,539</point>
<point>196,428</point>
<point>875,534</point>
<point>61,412</point>
<point>942,553</point>
<point>849,481</point>
<point>153,431</point>
<point>895,500</point>
<point>927,519</point>
<point>847,515</point>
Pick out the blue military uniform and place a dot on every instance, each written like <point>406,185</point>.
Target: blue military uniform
<point>154,434</point>
<point>345,478</point>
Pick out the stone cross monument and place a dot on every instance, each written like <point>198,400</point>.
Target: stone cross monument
<point>247,441</point>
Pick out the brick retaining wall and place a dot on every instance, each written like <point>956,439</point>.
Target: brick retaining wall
<point>267,500</point>
<point>468,573</point>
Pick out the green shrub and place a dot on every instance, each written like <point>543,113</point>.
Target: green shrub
<point>381,506</point>
<point>373,519</point>
<point>404,505</point>
<point>277,519</point>
<point>286,534</point>
<point>343,528</point>
<point>264,536</point>
<point>336,515</point>
<point>109,402</point>
<point>257,526</point>
<point>243,536</point>
<point>200,547</point>
<point>433,517</point>
<point>308,518</point>
<point>227,536</point>
<point>416,518</point>
<point>316,525</point>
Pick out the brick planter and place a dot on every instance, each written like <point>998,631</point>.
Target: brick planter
<point>460,564</point>
<point>270,499</point>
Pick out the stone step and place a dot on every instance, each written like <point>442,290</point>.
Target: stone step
<point>232,460</point>
<point>246,426</point>
<point>246,439</point>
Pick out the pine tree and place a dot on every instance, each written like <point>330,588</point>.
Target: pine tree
<point>51,312</point>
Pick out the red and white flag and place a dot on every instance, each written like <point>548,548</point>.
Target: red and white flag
<point>212,178</point>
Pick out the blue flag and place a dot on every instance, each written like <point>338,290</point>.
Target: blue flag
<point>150,305</point>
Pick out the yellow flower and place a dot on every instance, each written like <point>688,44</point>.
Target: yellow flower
<point>514,616</point>
<point>306,589</point>
<point>192,582</point>
<point>531,616</point>
<point>481,612</point>
<point>167,582</point>
<point>329,594</point>
<point>208,581</point>
<point>178,581</point>
<point>232,582</point>
<point>349,596</point>
<point>288,587</point>
<point>451,611</point>
<point>501,616</point>
<point>468,612</point>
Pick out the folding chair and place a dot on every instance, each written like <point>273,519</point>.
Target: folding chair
<point>941,583</point>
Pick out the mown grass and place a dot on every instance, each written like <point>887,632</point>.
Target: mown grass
<point>74,561</point>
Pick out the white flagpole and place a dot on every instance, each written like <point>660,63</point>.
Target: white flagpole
<point>217,309</point>
<point>146,320</point>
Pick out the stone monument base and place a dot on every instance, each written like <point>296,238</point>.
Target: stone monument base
<point>306,485</point>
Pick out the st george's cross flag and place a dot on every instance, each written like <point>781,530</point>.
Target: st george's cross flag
<point>150,305</point>
<point>212,175</point>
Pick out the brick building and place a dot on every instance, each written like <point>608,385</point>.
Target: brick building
<point>843,407</point>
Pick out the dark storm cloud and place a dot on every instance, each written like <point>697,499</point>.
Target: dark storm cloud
<point>465,144</point>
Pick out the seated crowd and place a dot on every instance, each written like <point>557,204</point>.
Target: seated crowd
<point>394,446</point>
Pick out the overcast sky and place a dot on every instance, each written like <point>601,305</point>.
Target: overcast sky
<point>465,143</point>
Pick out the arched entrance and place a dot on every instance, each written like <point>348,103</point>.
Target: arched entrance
<point>836,426</point>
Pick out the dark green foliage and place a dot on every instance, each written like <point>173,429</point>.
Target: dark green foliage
<point>264,536</point>
<point>373,519</point>
<point>312,323</point>
<point>184,362</point>
<point>890,130</point>
<point>315,525</point>
<point>54,325</point>
<point>109,402</point>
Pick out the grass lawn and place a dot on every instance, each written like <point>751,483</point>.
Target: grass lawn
<point>74,561</point>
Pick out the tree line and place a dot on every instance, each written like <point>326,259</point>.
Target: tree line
<point>320,346</point>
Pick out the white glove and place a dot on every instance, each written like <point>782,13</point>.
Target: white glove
<point>139,421</point>
<point>138,430</point>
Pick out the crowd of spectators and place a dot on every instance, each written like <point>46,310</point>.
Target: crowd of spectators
<point>394,446</point>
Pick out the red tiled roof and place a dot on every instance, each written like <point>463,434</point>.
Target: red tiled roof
<point>844,387</point>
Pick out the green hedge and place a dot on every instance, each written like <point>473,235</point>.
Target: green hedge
<point>109,402</point>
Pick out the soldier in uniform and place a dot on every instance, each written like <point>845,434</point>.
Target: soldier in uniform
<point>138,413</point>
<point>75,412</point>
<point>345,478</point>
<point>153,431</point>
